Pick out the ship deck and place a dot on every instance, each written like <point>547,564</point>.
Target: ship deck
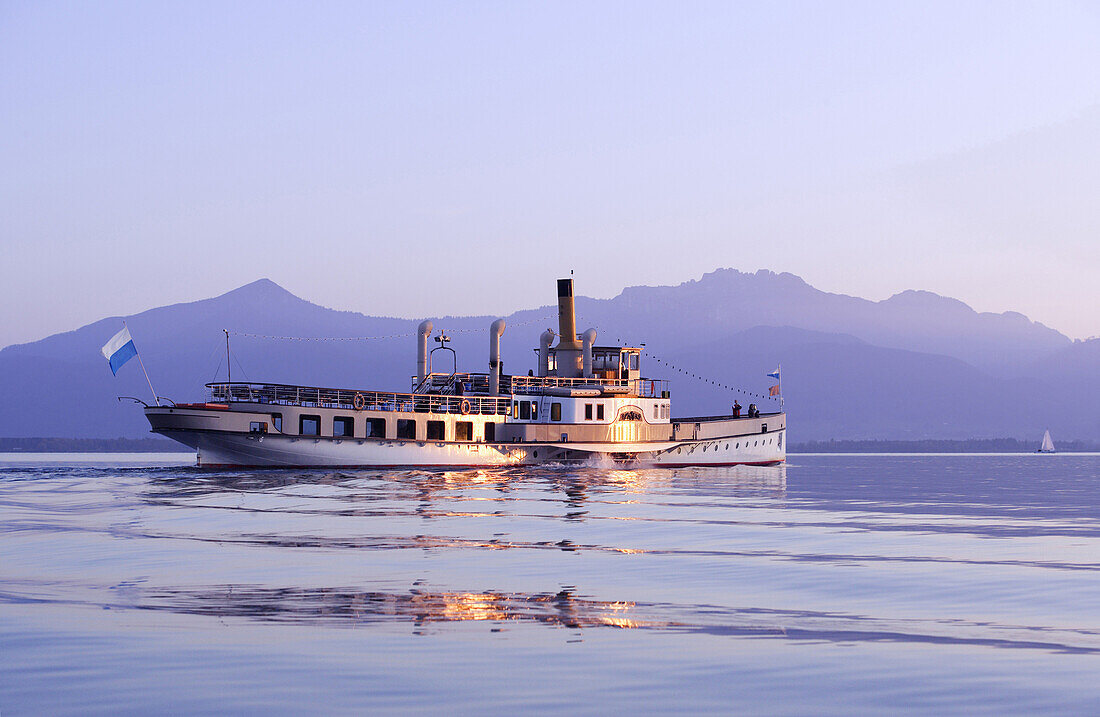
<point>439,393</point>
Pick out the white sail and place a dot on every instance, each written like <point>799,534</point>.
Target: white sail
<point>1048,444</point>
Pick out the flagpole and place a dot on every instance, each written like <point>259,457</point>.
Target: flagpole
<point>782,398</point>
<point>142,363</point>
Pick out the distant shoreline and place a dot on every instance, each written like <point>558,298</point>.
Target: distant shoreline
<point>972,445</point>
<point>89,445</point>
<point>975,445</point>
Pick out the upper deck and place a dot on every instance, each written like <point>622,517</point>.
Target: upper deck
<point>439,393</point>
<point>354,399</point>
<point>478,384</point>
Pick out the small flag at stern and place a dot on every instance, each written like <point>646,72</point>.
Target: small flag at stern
<point>774,390</point>
<point>119,349</point>
<point>774,374</point>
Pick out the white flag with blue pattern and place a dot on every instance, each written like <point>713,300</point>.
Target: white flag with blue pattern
<point>119,350</point>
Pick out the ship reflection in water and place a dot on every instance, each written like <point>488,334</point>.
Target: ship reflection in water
<point>419,606</point>
<point>574,482</point>
<point>422,608</point>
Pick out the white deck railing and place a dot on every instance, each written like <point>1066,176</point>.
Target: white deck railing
<point>286,395</point>
<point>479,383</point>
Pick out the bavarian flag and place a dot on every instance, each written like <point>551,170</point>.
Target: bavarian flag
<point>119,350</point>
<point>774,374</point>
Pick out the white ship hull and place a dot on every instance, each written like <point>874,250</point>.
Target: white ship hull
<point>274,451</point>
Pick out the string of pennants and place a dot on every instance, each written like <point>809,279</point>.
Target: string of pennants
<point>704,379</point>
<point>406,335</point>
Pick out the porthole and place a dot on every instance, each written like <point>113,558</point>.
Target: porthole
<point>727,446</point>
<point>756,443</point>
<point>535,454</point>
<point>737,445</point>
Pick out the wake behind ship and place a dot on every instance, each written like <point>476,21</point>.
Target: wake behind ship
<point>584,402</point>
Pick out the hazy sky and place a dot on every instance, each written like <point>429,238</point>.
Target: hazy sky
<point>416,158</point>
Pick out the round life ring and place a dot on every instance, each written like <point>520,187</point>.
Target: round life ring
<point>464,407</point>
<point>358,402</point>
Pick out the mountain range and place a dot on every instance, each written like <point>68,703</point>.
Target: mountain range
<point>914,366</point>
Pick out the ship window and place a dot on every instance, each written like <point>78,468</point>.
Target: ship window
<point>656,411</point>
<point>257,427</point>
<point>534,410</point>
<point>588,411</point>
<point>599,411</point>
<point>633,362</point>
<point>406,428</point>
<point>555,411</point>
<point>437,431</point>
<point>376,428</point>
<point>309,425</point>
<point>464,431</point>
<point>515,409</point>
<point>525,410</point>
<point>490,431</point>
<point>277,421</point>
<point>343,426</point>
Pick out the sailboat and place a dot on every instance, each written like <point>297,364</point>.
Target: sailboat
<point>1048,444</point>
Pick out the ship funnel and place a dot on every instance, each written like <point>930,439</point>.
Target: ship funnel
<point>496,366</point>
<point>545,340</point>
<point>422,334</point>
<point>588,340</point>
<point>567,317</point>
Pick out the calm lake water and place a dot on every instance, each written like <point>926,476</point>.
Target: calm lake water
<point>835,584</point>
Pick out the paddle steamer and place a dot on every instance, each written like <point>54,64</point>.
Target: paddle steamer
<point>585,402</point>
